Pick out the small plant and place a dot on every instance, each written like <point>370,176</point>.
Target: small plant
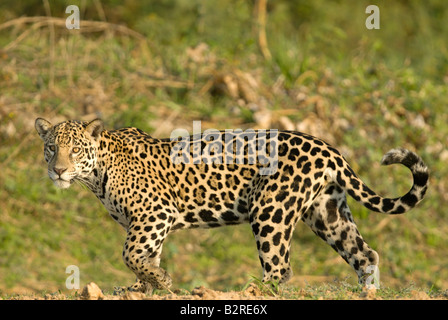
<point>270,288</point>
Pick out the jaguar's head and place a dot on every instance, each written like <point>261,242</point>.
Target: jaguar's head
<point>70,148</point>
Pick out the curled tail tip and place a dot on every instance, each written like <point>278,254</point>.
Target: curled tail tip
<point>402,204</point>
<point>405,157</point>
<point>419,172</point>
<point>394,156</point>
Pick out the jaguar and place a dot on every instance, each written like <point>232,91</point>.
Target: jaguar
<point>268,178</point>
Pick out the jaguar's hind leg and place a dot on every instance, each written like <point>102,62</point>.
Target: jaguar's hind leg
<point>273,250</point>
<point>272,228</point>
<point>330,218</point>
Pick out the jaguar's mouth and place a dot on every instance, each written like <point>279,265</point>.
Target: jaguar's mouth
<point>63,184</point>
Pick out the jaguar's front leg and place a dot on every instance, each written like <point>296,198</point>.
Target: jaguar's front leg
<point>142,250</point>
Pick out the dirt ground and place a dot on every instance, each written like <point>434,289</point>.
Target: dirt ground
<point>253,292</point>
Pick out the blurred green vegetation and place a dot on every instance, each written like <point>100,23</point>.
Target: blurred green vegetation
<point>364,91</point>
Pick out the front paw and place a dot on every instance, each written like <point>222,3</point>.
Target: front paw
<point>139,286</point>
<point>120,291</point>
<point>159,279</point>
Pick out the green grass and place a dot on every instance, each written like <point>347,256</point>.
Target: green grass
<point>365,91</point>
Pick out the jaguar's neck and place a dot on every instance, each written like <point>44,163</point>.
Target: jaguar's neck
<point>97,179</point>
<point>93,182</point>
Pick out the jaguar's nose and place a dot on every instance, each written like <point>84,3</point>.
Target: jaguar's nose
<point>60,171</point>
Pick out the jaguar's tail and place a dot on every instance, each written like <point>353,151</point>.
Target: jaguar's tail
<point>360,192</point>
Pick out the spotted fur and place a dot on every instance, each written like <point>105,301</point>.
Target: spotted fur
<point>151,195</point>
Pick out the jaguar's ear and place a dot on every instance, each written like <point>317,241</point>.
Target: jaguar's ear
<point>42,127</point>
<point>95,127</point>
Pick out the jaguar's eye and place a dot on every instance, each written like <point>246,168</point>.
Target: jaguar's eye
<point>76,149</point>
<point>52,148</point>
